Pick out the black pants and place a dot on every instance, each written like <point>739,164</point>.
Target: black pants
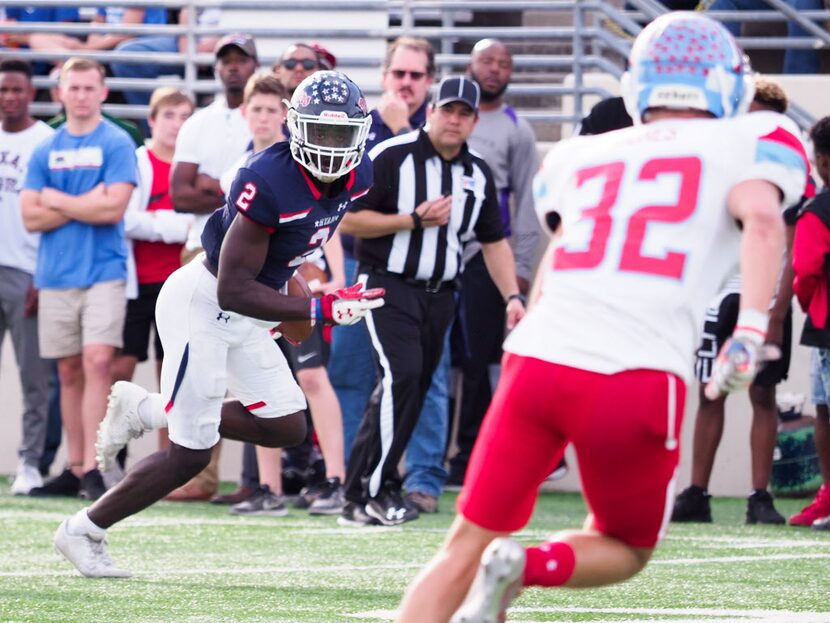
<point>482,324</point>
<point>408,336</point>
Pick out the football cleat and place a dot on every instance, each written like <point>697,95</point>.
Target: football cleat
<point>389,508</point>
<point>88,553</point>
<point>353,515</point>
<point>120,424</point>
<point>498,581</point>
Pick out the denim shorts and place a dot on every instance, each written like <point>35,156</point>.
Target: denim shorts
<point>819,375</point>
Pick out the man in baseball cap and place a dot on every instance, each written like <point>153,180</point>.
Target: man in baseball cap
<point>458,89</point>
<point>245,43</point>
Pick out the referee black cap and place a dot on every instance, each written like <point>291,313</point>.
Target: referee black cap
<point>458,89</point>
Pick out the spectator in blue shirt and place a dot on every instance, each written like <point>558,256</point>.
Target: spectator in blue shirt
<point>76,191</point>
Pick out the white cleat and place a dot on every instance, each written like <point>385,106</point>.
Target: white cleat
<point>498,581</point>
<point>120,424</point>
<point>27,478</point>
<point>87,553</point>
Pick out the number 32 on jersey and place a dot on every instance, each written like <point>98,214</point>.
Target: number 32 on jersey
<point>631,258</point>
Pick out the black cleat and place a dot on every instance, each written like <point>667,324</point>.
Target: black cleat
<point>389,508</point>
<point>65,484</point>
<point>329,500</point>
<point>354,515</point>
<point>760,509</point>
<point>92,485</point>
<point>692,505</point>
<point>309,494</point>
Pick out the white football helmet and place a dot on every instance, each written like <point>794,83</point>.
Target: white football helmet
<point>328,123</point>
<point>685,60</point>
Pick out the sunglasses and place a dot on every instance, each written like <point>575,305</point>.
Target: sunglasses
<point>401,73</point>
<point>307,63</point>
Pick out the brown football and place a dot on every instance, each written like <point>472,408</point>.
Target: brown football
<point>297,330</point>
<point>313,275</point>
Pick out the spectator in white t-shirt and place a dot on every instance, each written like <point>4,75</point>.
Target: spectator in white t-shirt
<point>19,135</point>
<point>213,139</point>
<point>210,142</point>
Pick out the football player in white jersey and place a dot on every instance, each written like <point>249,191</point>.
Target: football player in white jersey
<point>652,219</point>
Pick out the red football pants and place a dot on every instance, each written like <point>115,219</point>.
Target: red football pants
<point>624,428</point>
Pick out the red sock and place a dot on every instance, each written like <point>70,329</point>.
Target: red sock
<point>550,564</point>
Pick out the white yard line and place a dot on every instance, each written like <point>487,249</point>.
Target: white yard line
<point>730,559</point>
<point>691,615</point>
<point>399,566</point>
<point>299,525</point>
<point>235,571</point>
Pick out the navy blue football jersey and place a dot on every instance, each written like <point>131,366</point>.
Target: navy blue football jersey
<point>274,191</point>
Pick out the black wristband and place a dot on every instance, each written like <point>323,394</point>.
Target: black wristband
<point>416,220</point>
<point>520,297</point>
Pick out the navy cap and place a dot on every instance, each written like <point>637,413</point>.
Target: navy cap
<point>458,89</point>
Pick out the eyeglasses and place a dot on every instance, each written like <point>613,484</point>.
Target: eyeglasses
<point>307,63</point>
<point>401,73</point>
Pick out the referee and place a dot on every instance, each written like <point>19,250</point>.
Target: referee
<point>430,197</point>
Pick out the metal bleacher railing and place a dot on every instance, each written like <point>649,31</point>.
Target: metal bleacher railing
<point>581,37</point>
<point>596,38</point>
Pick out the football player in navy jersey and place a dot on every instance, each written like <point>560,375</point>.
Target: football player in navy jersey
<point>214,314</point>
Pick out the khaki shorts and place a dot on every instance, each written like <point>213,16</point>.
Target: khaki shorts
<point>73,318</point>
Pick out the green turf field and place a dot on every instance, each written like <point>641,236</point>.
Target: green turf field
<point>195,563</point>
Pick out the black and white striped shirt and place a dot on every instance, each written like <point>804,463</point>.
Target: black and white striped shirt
<point>408,171</point>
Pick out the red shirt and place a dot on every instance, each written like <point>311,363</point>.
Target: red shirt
<point>156,261</point>
<point>810,250</point>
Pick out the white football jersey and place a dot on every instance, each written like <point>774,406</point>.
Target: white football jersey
<point>646,237</point>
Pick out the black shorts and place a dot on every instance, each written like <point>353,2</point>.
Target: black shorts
<point>720,322</point>
<point>141,314</point>
<point>311,353</point>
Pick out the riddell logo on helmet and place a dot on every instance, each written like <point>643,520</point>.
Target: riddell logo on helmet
<point>676,96</point>
<point>333,114</point>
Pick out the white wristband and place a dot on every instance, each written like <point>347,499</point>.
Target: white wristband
<point>752,324</point>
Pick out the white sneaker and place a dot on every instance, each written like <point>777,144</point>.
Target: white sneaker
<point>27,478</point>
<point>498,581</point>
<point>120,424</point>
<point>87,553</point>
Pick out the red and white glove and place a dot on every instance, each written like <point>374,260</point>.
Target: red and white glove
<point>741,356</point>
<point>345,306</point>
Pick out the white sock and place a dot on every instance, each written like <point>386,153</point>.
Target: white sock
<point>80,523</point>
<point>151,412</point>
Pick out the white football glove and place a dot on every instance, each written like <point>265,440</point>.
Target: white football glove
<point>345,306</point>
<point>738,362</point>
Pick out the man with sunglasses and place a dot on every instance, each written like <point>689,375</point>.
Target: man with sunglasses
<point>298,62</point>
<point>408,71</point>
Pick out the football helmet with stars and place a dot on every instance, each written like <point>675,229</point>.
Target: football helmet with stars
<point>328,122</point>
<point>685,60</point>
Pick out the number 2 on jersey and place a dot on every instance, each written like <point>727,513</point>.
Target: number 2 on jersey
<point>247,195</point>
<point>631,257</point>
